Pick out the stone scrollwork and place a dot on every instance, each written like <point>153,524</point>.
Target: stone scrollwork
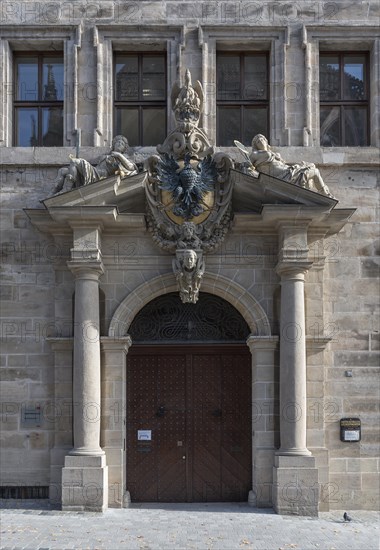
<point>188,192</point>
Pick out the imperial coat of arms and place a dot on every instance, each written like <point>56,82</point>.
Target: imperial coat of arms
<point>188,192</point>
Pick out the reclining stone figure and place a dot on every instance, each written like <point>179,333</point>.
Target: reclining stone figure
<point>81,172</point>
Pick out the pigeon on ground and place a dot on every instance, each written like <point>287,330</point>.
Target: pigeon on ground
<point>346,517</point>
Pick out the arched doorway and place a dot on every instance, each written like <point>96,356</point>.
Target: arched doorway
<point>189,435</point>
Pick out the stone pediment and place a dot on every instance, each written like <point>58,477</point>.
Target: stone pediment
<point>257,204</point>
<point>126,194</point>
<point>251,193</point>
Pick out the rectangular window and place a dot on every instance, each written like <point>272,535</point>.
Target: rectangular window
<point>344,90</point>
<point>242,100</point>
<point>38,103</point>
<point>140,98</point>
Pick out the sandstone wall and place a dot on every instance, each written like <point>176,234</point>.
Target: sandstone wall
<point>341,297</point>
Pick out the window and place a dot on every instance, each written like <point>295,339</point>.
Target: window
<point>38,104</point>
<point>140,98</point>
<point>344,110</point>
<point>242,97</point>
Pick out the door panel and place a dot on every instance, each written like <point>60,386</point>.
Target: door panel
<point>207,426</point>
<point>171,428</point>
<point>197,403</point>
<point>236,444</point>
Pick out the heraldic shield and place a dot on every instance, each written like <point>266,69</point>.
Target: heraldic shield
<point>188,191</point>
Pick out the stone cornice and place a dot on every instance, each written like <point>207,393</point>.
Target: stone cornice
<point>61,344</point>
<point>316,344</point>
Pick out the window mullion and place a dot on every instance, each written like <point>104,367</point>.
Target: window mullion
<point>39,83</point>
<point>39,126</point>
<point>140,95</point>
<point>141,132</point>
<point>242,67</point>
<point>242,125</point>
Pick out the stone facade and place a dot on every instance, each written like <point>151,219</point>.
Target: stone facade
<point>339,270</point>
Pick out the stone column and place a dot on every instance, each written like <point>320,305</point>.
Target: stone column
<point>85,474</point>
<point>86,372</point>
<point>293,361</point>
<point>295,478</point>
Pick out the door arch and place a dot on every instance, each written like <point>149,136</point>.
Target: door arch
<point>189,402</point>
<point>230,291</point>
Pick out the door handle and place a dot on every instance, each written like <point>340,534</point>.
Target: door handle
<point>161,411</point>
<point>184,458</point>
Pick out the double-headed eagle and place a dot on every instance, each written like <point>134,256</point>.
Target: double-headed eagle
<point>188,185</point>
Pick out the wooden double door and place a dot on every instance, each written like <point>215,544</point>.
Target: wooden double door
<point>189,423</point>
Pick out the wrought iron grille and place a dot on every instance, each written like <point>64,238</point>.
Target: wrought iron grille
<point>167,319</point>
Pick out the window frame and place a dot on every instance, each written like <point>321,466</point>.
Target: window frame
<point>131,38</point>
<point>40,103</point>
<point>63,38</point>
<point>140,103</point>
<point>341,103</point>
<point>318,39</point>
<point>215,38</point>
<point>241,103</point>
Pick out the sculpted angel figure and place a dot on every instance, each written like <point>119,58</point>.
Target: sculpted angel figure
<point>268,162</point>
<point>81,172</point>
<point>188,268</point>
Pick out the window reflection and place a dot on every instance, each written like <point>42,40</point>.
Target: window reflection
<point>38,105</point>
<point>344,99</point>
<point>242,96</point>
<point>140,97</point>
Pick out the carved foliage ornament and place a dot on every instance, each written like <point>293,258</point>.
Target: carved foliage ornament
<point>188,192</point>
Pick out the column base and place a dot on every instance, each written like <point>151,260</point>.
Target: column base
<point>127,499</point>
<point>252,499</point>
<point>86,452</point>
<point>295,486</point>
<point>85,483</point>
<point>293,452</point>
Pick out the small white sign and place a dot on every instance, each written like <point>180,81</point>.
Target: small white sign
<point>351,435</point>
<point>144,435</point>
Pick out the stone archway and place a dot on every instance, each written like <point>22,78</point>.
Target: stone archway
<point>230,291</point>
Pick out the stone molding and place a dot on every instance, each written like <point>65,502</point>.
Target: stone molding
<point>262,342</point>
<point>244,302</point>
<point>115,344</point>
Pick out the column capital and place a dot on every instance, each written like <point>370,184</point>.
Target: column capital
<point>110,343</point>
<point>262,342</point>
<point>86,269</point>
<point>293,269</point>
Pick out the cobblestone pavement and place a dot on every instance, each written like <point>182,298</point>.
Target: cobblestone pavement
<point>35,525</point>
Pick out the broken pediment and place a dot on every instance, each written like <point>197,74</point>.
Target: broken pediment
<point>251,193</point>
<point>125,194</point>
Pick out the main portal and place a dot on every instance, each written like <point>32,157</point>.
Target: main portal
<point>189,423</point>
